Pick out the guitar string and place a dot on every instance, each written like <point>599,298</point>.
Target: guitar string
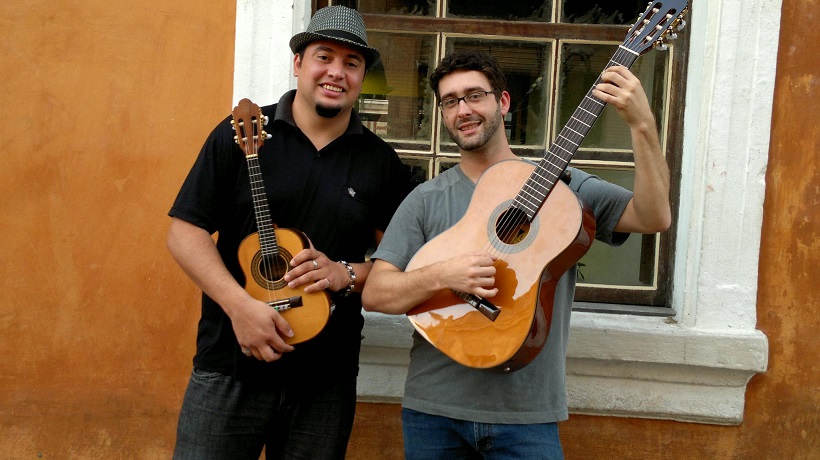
<point>267,266</point>
<point>514,218</point>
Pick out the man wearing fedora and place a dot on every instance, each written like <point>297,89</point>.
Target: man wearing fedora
<point>337,182</point>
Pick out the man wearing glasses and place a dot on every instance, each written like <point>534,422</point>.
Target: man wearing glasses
<point>454,411</point>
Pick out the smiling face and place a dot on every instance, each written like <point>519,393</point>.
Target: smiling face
<point>476,126</point>
<point>329,77</point>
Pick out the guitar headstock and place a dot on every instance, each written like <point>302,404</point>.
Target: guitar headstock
<point>661,20</point>
<point>248,122</point>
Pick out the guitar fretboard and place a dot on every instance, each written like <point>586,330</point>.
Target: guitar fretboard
<point>267,235</point>
<point>556,159</point>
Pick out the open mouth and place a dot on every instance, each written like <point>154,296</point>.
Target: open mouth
<point>333,88</point>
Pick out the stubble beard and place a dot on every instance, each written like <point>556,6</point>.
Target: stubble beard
<point>490,126</point>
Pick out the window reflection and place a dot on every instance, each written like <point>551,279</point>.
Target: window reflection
<point>581,64</point>
<point>397,7</point>
<point>601,12</point>
<point>518,10</point>
<point>396,101</point>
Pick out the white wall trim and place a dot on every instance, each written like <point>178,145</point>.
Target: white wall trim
<point>695,366</point>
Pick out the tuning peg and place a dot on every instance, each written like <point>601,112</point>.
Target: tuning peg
<point>265,120</point>
<point>660,46</point>
<point>681,25</point>
<point>672,35</point>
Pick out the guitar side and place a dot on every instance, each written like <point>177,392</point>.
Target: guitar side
<point>307,313</point>
<point>526,273</point>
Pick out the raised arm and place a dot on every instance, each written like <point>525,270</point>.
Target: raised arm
<point>649,210</point>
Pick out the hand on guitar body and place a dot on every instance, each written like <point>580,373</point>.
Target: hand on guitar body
<point>472,273</point>
<point>316,271</point>
<point>258,327</point>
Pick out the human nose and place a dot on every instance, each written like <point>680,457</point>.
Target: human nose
<point>336,69</point>
<point>463,108</point>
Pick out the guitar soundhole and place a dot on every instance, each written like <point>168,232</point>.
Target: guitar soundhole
<point>268,270</point>
<point>512,226</point>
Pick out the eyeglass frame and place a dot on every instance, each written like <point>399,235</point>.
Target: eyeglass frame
<point>464,98</point>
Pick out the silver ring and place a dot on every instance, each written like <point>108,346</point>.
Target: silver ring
<point>328,283</point>
<point>315,264</point>
<point>246,351</point>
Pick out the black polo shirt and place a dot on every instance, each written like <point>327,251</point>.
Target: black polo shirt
<point>338,196</point>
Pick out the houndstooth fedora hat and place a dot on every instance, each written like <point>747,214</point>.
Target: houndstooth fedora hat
<point>338,23</point>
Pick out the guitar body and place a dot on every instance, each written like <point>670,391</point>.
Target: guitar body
<point>527,272</point>
<point>306,313</point>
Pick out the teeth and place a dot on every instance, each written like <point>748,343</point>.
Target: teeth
<point>333,88</point>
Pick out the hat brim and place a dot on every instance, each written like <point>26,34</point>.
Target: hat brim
<point>303,39</point>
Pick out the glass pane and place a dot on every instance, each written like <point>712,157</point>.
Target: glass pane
<point>518,10</point>
<point>528,67</point>
<point>419,169</point>
<point>581,64</point>
<point>396,7</point>
<point>631,264</point>
<point>602,12</point>
<point>396,102</point>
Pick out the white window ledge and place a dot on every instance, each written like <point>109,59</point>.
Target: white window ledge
<point>617,365</point>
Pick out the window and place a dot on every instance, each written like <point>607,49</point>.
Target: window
<point>551,51</point>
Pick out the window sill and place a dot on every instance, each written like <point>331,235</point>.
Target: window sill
<point>619,365</point>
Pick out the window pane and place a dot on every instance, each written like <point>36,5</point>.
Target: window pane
<point>602,12</point>
<point>397,7</point>
<point>633,263</point>
<point>527,66</point>
<point>419,169</point>
<point>517,10</point>
<point>581,64</point>
<point>396,99</point>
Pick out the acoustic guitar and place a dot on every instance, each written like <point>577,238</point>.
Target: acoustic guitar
<point>265,255</point>
<point>536,226</point>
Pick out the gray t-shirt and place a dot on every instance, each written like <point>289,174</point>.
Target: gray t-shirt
<point>440,386</point>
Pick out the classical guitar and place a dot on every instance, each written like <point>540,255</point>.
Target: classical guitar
<point>536,226</point>
<point>264,256</point>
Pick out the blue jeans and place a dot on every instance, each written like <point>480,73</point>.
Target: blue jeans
<point>222,418</point>
<point>432,437</point>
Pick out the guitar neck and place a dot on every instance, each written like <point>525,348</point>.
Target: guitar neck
<point>267,235</point>
<point>556,159</point>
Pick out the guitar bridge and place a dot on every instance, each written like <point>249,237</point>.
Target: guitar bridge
<point>484,306</point>
<point>286,304</point>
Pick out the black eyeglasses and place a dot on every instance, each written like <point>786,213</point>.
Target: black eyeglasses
<point>474,98</point>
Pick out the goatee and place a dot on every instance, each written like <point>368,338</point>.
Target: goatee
<point>327,112</point>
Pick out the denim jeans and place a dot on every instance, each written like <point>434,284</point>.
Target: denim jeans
<point>223,419</point>
<point>432,437</point>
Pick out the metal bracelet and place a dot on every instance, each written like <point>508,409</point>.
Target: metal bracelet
<point>352,275</point>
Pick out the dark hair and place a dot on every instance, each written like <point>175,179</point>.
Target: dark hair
<point>470,60</point>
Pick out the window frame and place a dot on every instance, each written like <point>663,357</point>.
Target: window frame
<point>655,300</point>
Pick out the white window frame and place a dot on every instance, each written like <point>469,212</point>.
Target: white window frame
<point>694,366</point>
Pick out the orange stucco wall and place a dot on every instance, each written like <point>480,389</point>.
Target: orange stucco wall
<point>104,107</point>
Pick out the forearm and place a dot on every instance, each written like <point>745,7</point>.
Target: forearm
<point>651,186</point>
<point>390,290</point>
<point>195,252</point>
